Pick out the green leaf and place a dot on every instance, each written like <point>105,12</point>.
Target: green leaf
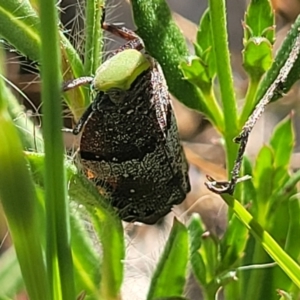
<point>19,200</point>
<point>110,233</point>
<point>58,254</point>
<point>199,268</point>
<point>288,49</point>
<point>262,175</point>
<point>167,46</point>
<point>292,245</point>
<point>87,264</point>
<point>282,142</point>
<point>204,257</point>
<point>288,265</point>
<point>245,190</point>
<point>257,57</point>
<point>280,176</point>
<point>204,45</point>
<point>209,253</point>
<point>196,71</point>
<point>29,134</point>
<point>204,36</point>
<point>86,260</point>
<point>106,223</point>
<point>170,274</point>
<point>195,234</point>
<point>19,25</point>
<point>109,230</point>
<point>233,244</point>
<point>288,189</point>
<point>258,38</point>
<point>259,20</point>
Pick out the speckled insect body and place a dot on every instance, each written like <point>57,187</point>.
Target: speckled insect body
<point>130,145</point>
<point>132,151</point>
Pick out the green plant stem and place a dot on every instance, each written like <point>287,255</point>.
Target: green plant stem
<point>98,38</point>
<point>249,101</point>
<point>209,292</point>
<point>217,115</point>
<point>58,252</point>
<point>93,36</point>
<point>220,44</point>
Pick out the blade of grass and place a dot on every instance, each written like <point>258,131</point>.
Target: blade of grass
<point>86,259</point>
<point>19,25</point>
<point>19,201</point>
<point>107,225</point>
<point>170,274</point>
<point>285,262</point>
<point>58,252</point>
<point>109,230</point>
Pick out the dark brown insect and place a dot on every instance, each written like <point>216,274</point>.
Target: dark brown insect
<point>129,145</point>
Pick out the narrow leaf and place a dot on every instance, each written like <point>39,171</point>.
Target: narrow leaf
<point>20,204</point>
<point>288,265</point>
<point>195,234</point>
<point>282,142</point>
<point>233,244</point>
<point>288,50</point>
<point>262,175</point>
<point>259,19</point>
<point>167,46</point>
<point>169,277</point>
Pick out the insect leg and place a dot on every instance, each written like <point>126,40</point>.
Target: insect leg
<point>72,84</point>
<point>79,125</point>
<point>134,41</point>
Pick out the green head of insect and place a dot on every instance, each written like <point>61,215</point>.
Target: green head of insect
<point>119,72</point>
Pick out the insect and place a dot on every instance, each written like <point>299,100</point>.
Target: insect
<point>129,145</point>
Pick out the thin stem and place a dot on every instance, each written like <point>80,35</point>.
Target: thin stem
<point>89,32</point>
<point>249,101</point>
<point>98,37</point>
<point>273,90</point>
<point>215,110</point>
<point>93,34</point>
<point>58,252</point>
<point>220,43</point>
